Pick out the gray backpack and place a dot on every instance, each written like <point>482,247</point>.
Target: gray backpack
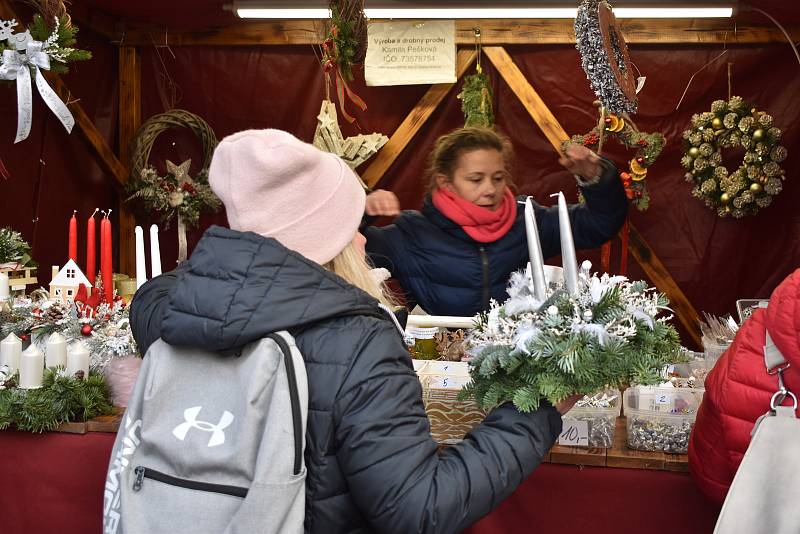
<point>212,443</point>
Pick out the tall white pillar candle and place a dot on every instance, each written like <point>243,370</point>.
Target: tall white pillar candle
<point>535,252</point>
<point>4,289</point>
<point>31,368</point>
<point>10,351</point>
<point>56,350</point>
<point>155,252</point>
<point>568,259</point>
<point>78,360</point>
<point>141,275</point>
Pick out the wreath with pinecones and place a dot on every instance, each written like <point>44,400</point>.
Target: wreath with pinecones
<point>752,186</point>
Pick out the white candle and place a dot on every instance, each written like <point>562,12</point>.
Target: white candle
<point>568,259</point>
<point>535,252</point>
<point>141,275</point>
<point>31,368</point>
<point>56,351</point>
<point>4,289</point>
<point>78,360</point>
<point>10,350</point>
<point>155,252</point>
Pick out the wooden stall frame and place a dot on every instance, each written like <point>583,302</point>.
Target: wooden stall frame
<point>304,32</point>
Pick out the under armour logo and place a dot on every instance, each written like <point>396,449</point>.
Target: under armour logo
<point>217,436</point>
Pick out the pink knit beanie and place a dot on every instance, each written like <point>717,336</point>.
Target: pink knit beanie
<point>275,185</point>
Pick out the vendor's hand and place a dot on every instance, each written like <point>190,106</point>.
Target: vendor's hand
<point>566,405</point>
<point>581,161</point>
<point>382,203</point>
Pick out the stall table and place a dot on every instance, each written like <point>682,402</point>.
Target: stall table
<point>53,482</point>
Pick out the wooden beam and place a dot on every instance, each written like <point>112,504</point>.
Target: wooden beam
<point>130,119</point>
<point>556,135</point>
<point>98,146</point>
<point>414,121</point>
<point>493,32</point>
<point>530,99</point>
<point>658,273</point>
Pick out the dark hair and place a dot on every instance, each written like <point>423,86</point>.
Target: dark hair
<point>449,147</point>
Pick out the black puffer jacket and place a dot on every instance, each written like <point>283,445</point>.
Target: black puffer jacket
<point>372,465</point>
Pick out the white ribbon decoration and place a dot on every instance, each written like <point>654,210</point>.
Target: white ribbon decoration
<point>16,66</point>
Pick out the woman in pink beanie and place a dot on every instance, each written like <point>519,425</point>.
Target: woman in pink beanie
<point>293,260</point>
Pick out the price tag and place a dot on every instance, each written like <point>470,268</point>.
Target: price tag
<point>448,382</point>
<point>663,399</point>
<point>574,433</point>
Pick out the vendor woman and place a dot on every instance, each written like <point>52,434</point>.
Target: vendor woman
<point>458,252</point>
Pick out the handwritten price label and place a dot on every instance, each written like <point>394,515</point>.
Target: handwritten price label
<point>574,433</point>
<point>663,399</point>
<point>448,382</point>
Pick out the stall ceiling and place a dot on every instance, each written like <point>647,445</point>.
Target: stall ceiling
<point>199,14</point>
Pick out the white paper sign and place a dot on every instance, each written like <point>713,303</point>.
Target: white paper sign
<point>448,382</point>
<point>410,53</point>
<point>574,433</point>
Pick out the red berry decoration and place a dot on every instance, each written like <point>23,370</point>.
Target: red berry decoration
<point>640,160</point>
<point>641,142</point>
<point>86,330</point>
<point>24,337</point>
<point>608,120</point>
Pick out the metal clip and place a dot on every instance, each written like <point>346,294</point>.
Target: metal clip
<point>137,482</point>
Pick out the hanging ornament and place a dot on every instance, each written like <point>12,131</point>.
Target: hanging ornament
<point>604,56</point>
<point>345,45</point>
<point>86,330</point>
<point>476,93</point>
<point>353,150</point>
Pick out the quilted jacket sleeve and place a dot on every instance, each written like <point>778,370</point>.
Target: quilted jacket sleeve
<point>593,222</point>
<point>395,474</point>
<point>149,306</point>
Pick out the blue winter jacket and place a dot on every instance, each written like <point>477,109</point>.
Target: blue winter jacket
<point>447,272</point>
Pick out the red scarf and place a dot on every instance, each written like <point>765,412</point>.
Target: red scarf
<point>481,224</point>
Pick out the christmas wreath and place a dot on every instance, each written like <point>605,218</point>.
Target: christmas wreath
<point>607,334</point>
<point>648,147</point>
<point>61,399</point>
<point>734,124</point>
<point>174,194</point>
<point>604,56</point>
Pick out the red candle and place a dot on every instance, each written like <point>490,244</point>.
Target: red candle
<point>91,256</point>
<point>73,237</point>
<point>106,269</point>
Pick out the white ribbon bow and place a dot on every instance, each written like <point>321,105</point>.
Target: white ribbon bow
<point>17,66</point>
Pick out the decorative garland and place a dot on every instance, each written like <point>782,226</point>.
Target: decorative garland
<point>14,249</point>
<point>608,334</point>
<point>103,328</point>
<point>648,147</point>
<point>61,399</point>
<point>604,56</point>
<point>175,194</point>
<point>345,45</point>
<point>734,124</point>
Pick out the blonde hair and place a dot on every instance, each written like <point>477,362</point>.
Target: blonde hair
<point>353,266</point>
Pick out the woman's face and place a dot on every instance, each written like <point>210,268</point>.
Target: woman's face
<point>479,177</point>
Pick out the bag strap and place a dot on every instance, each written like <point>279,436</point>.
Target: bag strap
<point>282,339</point>
<point>776,365</point>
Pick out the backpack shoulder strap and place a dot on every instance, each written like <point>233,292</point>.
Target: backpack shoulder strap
<point>298,391</point>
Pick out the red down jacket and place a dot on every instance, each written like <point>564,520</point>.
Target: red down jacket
<point>738,390</point>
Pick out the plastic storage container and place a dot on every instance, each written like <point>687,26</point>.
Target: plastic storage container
<point>599,428</point>
<point>661,419</point>
<point>713,351</point>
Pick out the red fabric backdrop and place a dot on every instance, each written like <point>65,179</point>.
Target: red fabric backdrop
<point>714,261</point>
